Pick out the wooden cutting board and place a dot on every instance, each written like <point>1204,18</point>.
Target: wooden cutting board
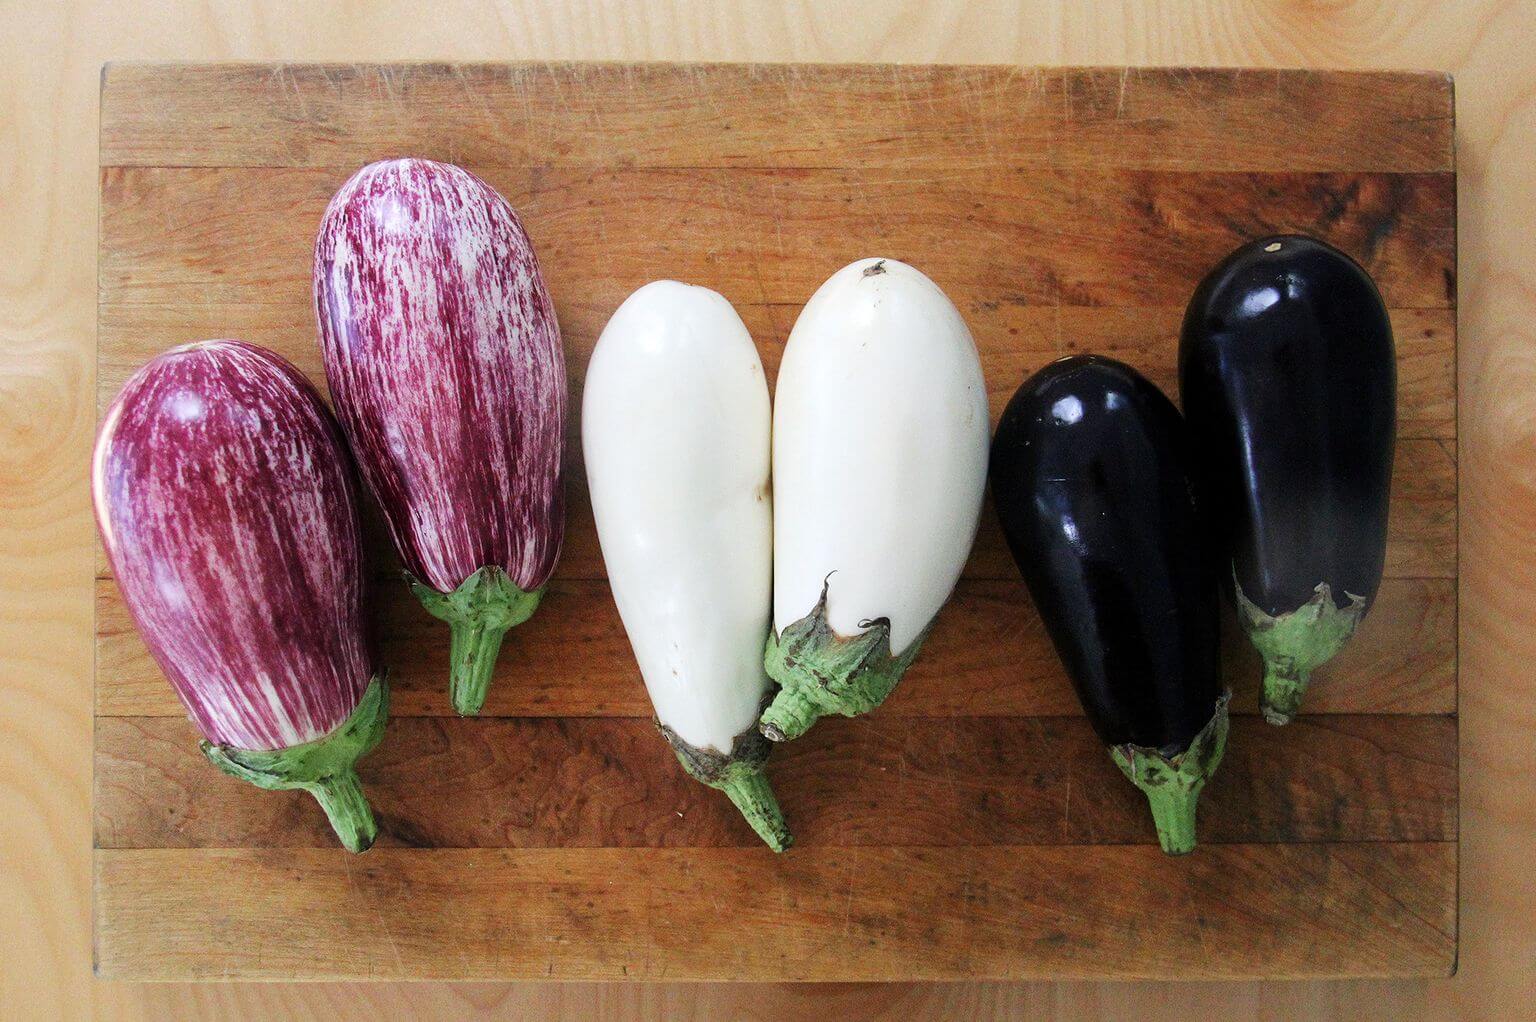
<point>973,827</point>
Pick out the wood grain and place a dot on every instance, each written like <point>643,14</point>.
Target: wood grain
<point>1105,237</point>
<point>959,782</point>
<point>872,914</point>
<point>47,315</point>
<point>559,115</point>
<point>987,654</point>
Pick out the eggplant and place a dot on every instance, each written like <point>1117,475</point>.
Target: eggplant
<point>879,469</point>
<point>1288,378</point>
<point>675,429</point>
<point>227,510</point>
<point>444,359</point>
<point>1089,474</point>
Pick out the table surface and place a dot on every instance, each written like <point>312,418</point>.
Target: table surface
<point>1328,847</point>
<point>49,63</point>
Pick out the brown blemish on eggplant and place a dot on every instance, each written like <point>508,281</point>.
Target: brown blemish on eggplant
<point>708,765</point>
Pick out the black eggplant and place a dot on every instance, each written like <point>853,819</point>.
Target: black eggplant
<point>1289,383</point>
<point>1090,478</point>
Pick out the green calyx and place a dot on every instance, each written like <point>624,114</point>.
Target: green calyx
<point>740,775</point>
<point>479,614</point>
<point>325,767</point>
<point>1295,644</point>
<point>1172,784</point>
<point>821,672</point>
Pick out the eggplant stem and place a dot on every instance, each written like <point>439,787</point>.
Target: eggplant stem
<point>472,651</point>
<point>1284,685</point>
<point>751,793</point>
<point>1296,643</point>
<point>738,773</point>
<point>1173,784</point>
<point>325,767</point>
<point>345,805</point>
<point>479,614</point>
<point>1173,813</point>
<point>821,672</point>
<point>789,716</point>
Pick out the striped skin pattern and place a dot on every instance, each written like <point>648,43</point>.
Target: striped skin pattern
<point>445,363</point>
<point>227,508</point>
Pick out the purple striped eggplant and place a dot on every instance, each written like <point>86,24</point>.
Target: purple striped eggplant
<point>445,363</point>
<point>228,512</point>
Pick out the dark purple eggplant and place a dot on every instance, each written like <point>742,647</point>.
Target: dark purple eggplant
<point>1289,382</point>
<point>1090,478</point>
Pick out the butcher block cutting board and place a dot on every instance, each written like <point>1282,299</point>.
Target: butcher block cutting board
<point>973,827</point>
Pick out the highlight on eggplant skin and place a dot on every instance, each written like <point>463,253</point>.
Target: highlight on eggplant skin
<point>444,358</point>
<point>227,510</point>
<point>1089,475</point>
<point>1288,378</point>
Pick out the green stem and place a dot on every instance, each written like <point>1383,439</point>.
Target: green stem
<point>1283,688</point>
<point>1173,784</point>
<point>472,651</point>
<point>790,715</point>
<point>820,672</point>
<point>1296,643</point>
<point>738,773</point>
<point>325,767</point>
<point>479,614</point>
<point>752,794</point>
<point>1173,813</point>
<point>345,805</point>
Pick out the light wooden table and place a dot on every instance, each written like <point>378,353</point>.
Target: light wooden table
<point>50,54</point>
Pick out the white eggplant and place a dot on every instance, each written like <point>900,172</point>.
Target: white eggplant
<point>880,437</point>
<point>675,430</point>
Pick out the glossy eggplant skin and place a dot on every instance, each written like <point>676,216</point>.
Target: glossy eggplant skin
<point>228,512</point>
<point>1090,479</point>
<point>1288,378</point>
